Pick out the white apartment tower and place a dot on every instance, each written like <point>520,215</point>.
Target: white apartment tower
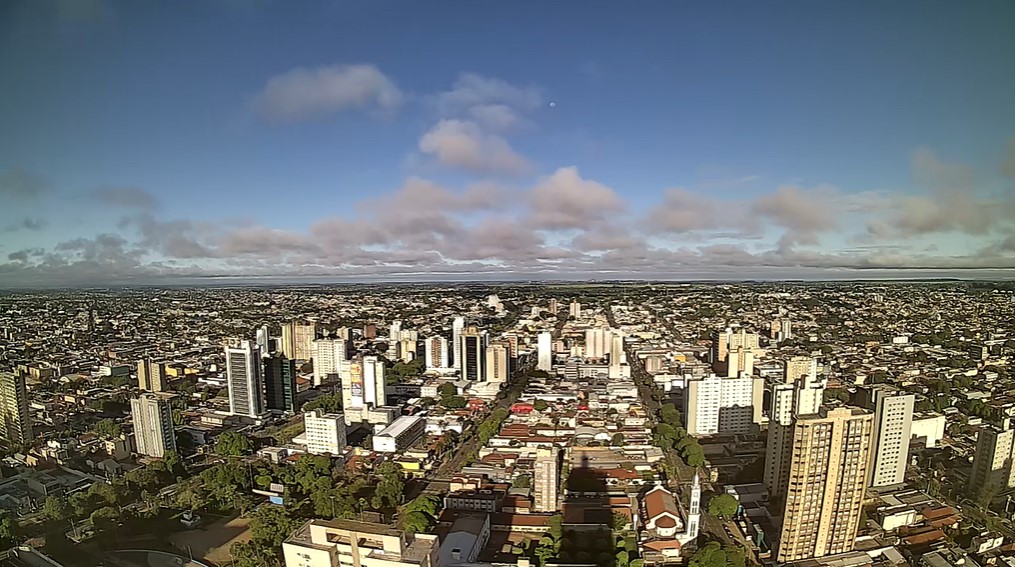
<point>575,309</point>
<point>546,481</point>
<point>329,356</point>
<point>893,421</point>
<point>244,379</point>
<point>717,405</point>
<point>598,341</point>
<point>617,355</point>
<point>456,341</point>
<point>324,432</point>
<point>153,424</point>
<point>544,352</point>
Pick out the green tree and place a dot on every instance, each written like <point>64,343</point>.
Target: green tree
<point>454,402</point>
<point>416,522</point>
<point>555,526</point>
<point>447,390</point>
<point>618,522</point>
<point>328,403</point>
<point>55,508</point>
<point>694,455</point>
<point>271,525</point>
<point>540,405</point>
<point>9,530</point>
<point>617,440</point>
<point>723,506</point>
<point>668,413</point>
<point>232,444</point>
<point>105,518</point>
<point>107,429</point>
<point>710,555</point>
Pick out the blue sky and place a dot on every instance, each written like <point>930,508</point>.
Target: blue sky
<point>253,138</point>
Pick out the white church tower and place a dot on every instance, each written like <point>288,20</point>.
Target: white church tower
<point>694,511</point>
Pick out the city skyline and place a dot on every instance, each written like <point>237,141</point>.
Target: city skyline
<point>386,141</point>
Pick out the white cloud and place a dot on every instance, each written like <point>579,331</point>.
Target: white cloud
<point>302,93</point>
<point>471,90</point>
<point>460,143</point>
<point>565,200</point>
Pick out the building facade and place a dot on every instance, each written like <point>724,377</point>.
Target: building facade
<point>828,472</point>
<point>324,432</point>
<point>280,383</point>
<point>893,420</point>
<point>546,480</point>
<point>151,376</point>
<point>244,379</point>
<point>16,416</point>
<point>716,405</point>
<point>152,414</point>
<point>348,543</point>
<point>544,352</point>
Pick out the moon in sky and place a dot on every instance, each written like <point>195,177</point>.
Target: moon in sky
<point>552,104</point>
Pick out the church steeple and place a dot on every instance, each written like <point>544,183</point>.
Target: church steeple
<point>694,510</point>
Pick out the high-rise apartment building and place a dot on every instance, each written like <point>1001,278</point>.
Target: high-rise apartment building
<point>15,416</point>
<point>473,351</point>
<point>553,307</point>
<point>151,376</point>
<point>329,356</point>
<point>497,363</point>
<point>545,480</point>
<point>718,405</point>
<point>617,355</point>
<point>456,343</point>
<point>575,310</point>
<point>152,414</point>
<point>280,383</point>
<point>437,358</point>
<point>297,340</point>
<point>244,379</point>
<point>799,367</point>
<point>828,471</point>
<point>363,388</point>
<point>800,394</point>
<point>992,463</point>
<point>544,352</point>
<point>734,352</point>
<point>598,341</point>
<point>324,432</point>
<point>893,421</point>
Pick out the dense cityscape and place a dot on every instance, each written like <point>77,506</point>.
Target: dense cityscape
<point>615,425</point>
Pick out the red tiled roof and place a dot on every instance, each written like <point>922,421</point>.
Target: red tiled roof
<point>659,501</point>
<point>662,544</point>
<point>666,522</point>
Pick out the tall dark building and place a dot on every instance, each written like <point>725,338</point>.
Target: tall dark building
<point>280,383</point>
<point>473,349</point>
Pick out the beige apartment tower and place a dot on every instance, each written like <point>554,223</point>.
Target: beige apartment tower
<point>15,417</point>
<point>992,463</point>
<point>497,363</point>
<point>546,480</point>
<point>828,471</point>
<point>151,376</point>
<point>297,341</point>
